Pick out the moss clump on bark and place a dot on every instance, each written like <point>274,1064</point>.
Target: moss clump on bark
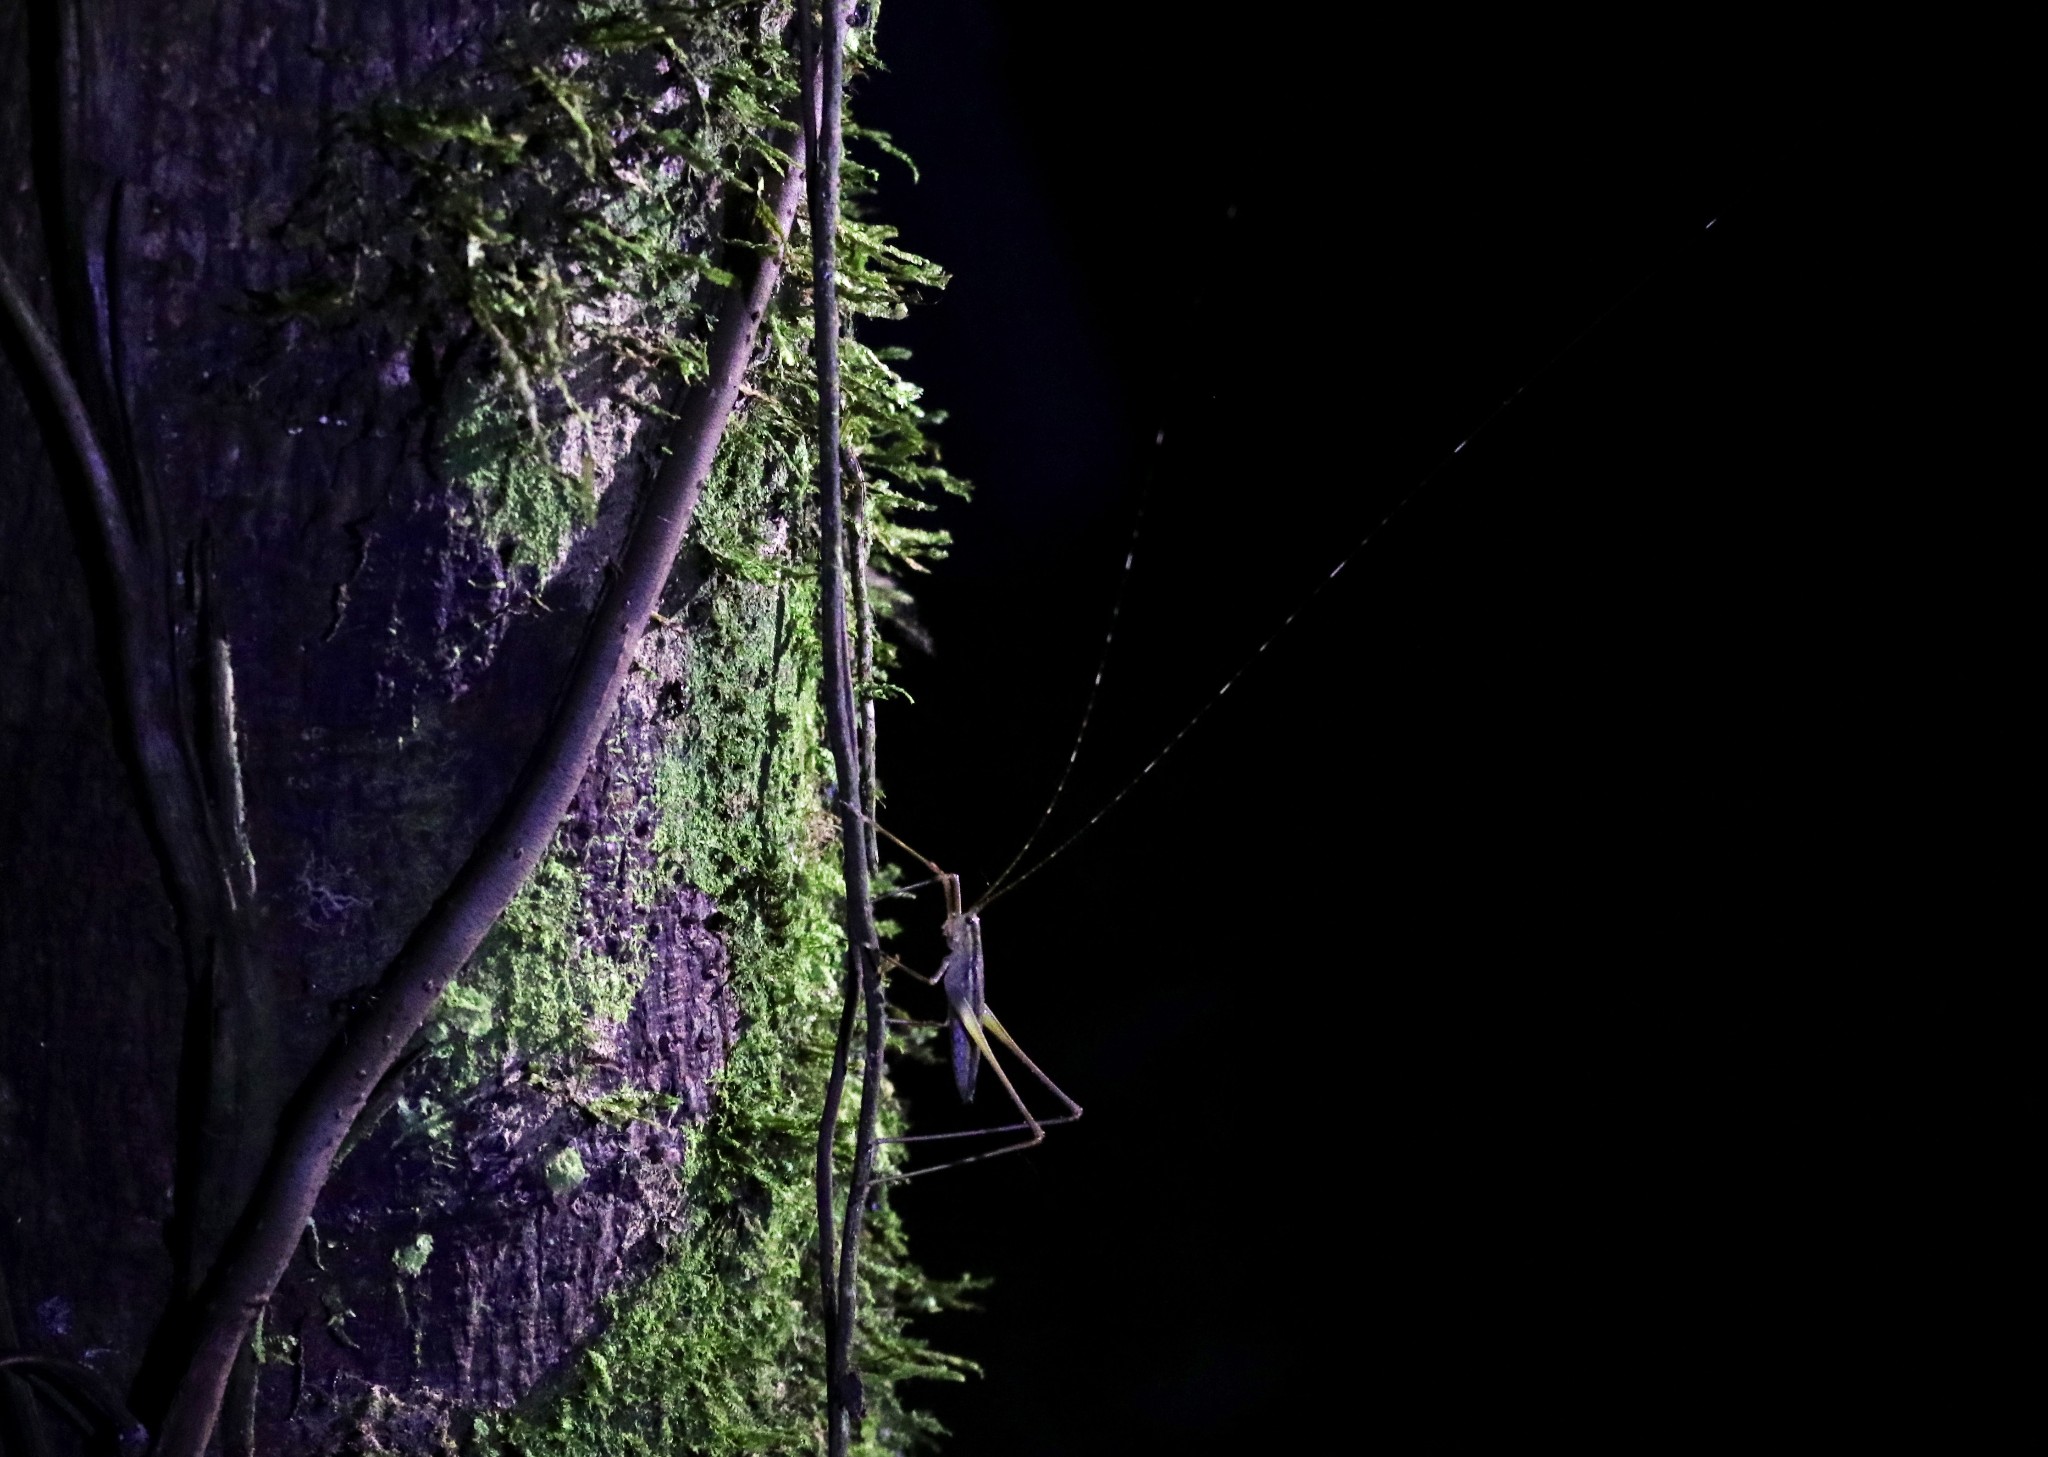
<point>526,508</point>
<point>720,1351</point>
<point>535,990</point>
<point>562,199</point>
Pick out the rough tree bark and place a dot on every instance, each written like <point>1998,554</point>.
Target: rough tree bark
<point>358,660</point>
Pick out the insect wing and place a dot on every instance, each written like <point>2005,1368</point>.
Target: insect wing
<point>962,974</point>
<point>966,1062</point>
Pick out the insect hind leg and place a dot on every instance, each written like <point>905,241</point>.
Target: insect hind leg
<point>1036,1126</point>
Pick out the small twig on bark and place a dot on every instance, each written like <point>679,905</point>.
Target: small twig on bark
<point>79,433</point>
<point>223,755</point>
<point>822,119</point>
<point>197,838</point>
<point>864,645</point>
<point>334,1094</point>
<point>195,873</point>
<point>842,1042</point>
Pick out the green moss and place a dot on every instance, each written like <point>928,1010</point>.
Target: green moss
<point>424,1118</point>
<point>719,1353</point>
<point>565,1170</point>
<point>468,1011</point>
<point>522,500</point>
<point>412,1258</point>
<point>533,991</point>
<point>625,1106</point>
<point>552,208</point>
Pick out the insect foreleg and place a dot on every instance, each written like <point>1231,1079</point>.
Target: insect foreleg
<point>902,965</point>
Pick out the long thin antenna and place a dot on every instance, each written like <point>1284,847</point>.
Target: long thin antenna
<point>1005,883</point>
<point>1116,608</point>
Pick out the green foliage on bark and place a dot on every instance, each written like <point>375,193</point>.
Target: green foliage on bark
<point>566,200</point>
<point>721,1352</point>
<point>565,1170</point>
<point>522,502</point>
<point>534,991</point>
<point>412,1257</point>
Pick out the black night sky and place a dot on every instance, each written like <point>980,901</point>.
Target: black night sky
<point>1407,996</point>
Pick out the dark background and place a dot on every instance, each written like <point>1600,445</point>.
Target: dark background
<point>1429,1001</point>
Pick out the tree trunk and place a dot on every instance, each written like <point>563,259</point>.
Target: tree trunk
<point>381,400</point>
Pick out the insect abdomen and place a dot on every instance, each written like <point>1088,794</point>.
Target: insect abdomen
<point>966,1062</point>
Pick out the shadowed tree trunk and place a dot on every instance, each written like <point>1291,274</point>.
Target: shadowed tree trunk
<point>383,316</point>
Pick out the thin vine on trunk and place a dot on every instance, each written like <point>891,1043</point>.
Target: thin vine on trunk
<point>335,1093</point>
<point>823,108</point>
